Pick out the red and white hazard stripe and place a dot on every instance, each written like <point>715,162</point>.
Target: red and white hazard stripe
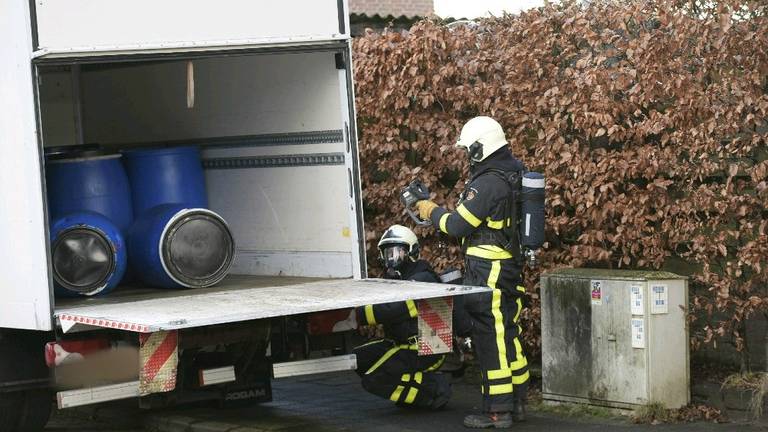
<point>435,325</point>
<point>159,356</point>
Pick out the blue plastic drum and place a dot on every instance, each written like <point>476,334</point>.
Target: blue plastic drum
<point>90,183</point>
<point>88,254</point>
<point>173,246</point>
<point>165,176</point>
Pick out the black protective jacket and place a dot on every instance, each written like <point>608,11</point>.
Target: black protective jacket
<point>399,318</point>
<point>478,218</point>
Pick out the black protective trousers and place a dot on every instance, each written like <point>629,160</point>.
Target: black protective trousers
<point>496,331</point>
<point>397,372</point>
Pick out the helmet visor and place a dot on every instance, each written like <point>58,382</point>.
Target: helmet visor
<point>394,255</point>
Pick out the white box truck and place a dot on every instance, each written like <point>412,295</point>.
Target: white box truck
<point>265,90</point>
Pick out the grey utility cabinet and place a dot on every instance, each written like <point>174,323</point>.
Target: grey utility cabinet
<point>615,338</point>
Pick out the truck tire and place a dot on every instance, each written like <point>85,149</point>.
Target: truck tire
<point>36,410</point>
<point>10,410</point>
<point>25,411</point>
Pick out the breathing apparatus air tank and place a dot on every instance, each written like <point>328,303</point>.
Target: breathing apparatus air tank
<point>533,219</point>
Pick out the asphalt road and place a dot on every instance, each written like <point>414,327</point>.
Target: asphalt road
<point>336,402</point>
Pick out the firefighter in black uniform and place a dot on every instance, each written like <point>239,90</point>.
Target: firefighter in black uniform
<point>391,367</point>
<point>478,221</point>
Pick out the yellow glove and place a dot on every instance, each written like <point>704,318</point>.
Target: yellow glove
<point>425,208</point>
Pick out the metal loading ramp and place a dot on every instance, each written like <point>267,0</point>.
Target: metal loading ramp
<point>238,298</point>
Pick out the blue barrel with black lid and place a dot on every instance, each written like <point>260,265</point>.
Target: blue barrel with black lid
<point>161,176</point>
<point>88,254</point>
<point>175,246</point>
<point>88,181</point>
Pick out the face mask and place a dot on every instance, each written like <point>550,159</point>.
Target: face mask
<point>475,151</point>
<point>394,256</point>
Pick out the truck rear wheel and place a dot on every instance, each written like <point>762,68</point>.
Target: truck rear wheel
<point>25,411</point>
<point>36,411</point>
<point>10,409</point>
<point>23,407</point>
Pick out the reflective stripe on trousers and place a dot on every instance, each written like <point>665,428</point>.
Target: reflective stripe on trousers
<point>492,316</point>
<point>412,391</point>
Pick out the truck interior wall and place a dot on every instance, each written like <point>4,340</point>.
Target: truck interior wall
<point>57,107</point>
<point>234,96</point>
<point>288,216</point>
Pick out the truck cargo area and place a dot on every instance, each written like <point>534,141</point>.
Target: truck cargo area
<point>273,133</point>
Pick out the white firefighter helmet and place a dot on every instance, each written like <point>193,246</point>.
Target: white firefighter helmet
<point>481,136</point>
<point>396,243</point>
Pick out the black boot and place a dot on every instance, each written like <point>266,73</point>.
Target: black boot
<point>518,411</point>
<point>488,420</point>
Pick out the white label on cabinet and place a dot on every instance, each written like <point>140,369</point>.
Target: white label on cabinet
<point>636,298</point>
<point>659,299</point>
<point>638,333</point>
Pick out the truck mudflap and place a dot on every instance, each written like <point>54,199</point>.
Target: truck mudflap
<point>159,360</point>
<point>240,298</point>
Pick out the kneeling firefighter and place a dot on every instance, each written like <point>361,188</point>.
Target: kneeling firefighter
<point>487,222</point>
<point>391,367</point>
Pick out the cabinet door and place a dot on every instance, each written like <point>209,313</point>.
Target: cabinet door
<point>566,343</point>
<point>25,299</point>
<point>619,369</point>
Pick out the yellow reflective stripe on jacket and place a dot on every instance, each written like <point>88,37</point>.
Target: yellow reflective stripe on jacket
<point>521,379</point>
<point>369,315</point>
<point>411,395</point>
<point>418,377</point>
<point>406,378</point>
<point>412,311</point>
<point>495,224</point>
<point>499,374</point>
<point>521,289</point>
<point>395,396</point>
<point>488,252</point>
<point>443,222</point>
<point>519,302</point>
<point>468,216</point>
<point>500,389</point>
